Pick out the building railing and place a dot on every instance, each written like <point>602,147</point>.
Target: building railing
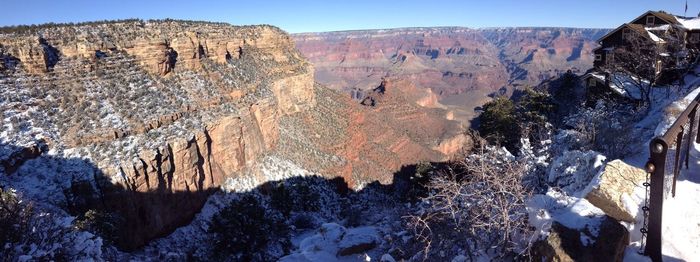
<point>668,154</point>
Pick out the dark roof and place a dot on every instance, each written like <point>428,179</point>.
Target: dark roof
<point>639,29</point>
<point>665,16</point>
<point>634,27</point>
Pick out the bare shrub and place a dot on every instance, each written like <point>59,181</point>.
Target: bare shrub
<point>603,129</point>
<point>477,205</point>
<point>34,235</point>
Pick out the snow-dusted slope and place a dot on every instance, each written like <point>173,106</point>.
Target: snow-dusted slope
<point>681,221</point>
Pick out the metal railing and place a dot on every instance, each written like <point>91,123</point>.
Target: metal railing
<point>668,154</point>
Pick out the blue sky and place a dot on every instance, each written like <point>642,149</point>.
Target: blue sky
<point>331,15</point>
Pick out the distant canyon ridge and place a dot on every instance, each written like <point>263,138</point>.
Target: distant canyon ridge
<point>453,68</point>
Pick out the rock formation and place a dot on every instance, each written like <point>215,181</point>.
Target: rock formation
<point>157,115</point>
<point>566,244</point>
<point>616,185</point>
<point>460,66</point>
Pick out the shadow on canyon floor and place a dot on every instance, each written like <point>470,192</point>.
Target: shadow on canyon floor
<point>79,186</point>
<point>146,216</point>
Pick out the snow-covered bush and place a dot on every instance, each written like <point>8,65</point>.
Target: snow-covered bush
<point>499,123</point>
<point>29,235</point>
<point>100,222</point>
<point>14,217</point>
<point>570,139</point>
<point>303,221</point>
<point>536,159</point>
<point>299,196</point>
<point>477,205</point>
<point>573,170</point>
<point>605,128</point>
<point>244,228</point>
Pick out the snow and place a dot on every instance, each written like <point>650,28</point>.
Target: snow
<point>654,37</point>
<point>272,168</point>
<point>570,211</point>
<point>329,239</point>
<point>681,216</point>
<point>689,23</point>
<point>600,77</point>
<point>680,223</point>
<point>388,258</point>
<point>52,235</point>
<point>680,229</point>
<point>660,27</point>
<point>672,112</point>
<point>565,204</point>
<point>627,86</point>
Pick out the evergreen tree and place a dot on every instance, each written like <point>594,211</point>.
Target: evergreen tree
<point>498,123</point>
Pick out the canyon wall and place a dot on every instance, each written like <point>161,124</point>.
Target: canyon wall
<point>462,66</point>
<point>145,119</point>
<point>166,111</point>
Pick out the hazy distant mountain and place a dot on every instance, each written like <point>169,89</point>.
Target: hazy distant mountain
<point>460,65</point>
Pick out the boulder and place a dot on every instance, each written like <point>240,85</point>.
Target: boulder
<point>613,189</point>
<point>387,258</point>
<point>566,244</point>
<point>333,241</point>
<point>355,243</point>
<point>14,157</point>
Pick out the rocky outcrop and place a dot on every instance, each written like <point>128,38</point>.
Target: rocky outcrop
<point>159,47</point>
<point>166,110</point>
<point>13,157</point>
<point>267,116</point>
<point>454,145</point>
<point>565,244</point>
<point>295,93</point>
<point>155,56</point>
<point>614,189</point>
<point>194,167</point>
<point>34,54</point>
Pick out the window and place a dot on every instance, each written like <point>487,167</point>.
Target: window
<point>591,82</point>
<point>694,38</point>
<point>651,20</point>
<point>598,57</point>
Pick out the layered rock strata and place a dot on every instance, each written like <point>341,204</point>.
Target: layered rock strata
<point>154,116</point>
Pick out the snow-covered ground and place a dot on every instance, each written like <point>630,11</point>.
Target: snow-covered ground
<point>681,216</point>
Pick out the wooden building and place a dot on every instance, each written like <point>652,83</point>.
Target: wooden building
<point>673,40</point>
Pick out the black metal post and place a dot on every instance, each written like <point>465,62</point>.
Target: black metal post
<point>690,135</point>
<point>697,138</point>
<point>658,150</point>
<point>677,161</point>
